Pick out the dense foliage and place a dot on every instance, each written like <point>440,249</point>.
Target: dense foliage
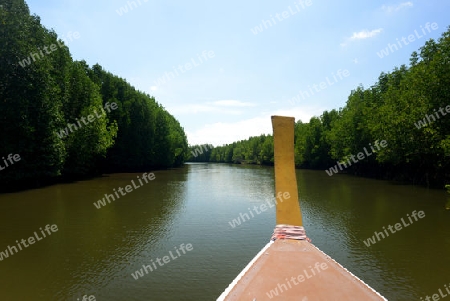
<point>255,150</point>
<point>408,107</point>
<point>127,130</point>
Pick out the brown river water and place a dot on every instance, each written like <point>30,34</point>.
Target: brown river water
<point>180,226</point>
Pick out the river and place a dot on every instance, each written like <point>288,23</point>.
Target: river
<point>185,217</point>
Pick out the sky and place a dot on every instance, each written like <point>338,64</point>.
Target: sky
<point>223,68</point>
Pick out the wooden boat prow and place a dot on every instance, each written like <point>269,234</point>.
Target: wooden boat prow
<point>317,276</point>
<point>293,269</point>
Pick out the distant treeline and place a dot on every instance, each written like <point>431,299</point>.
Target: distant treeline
<point>255,150</point>
<point>408,107</point>
<point>65,119</point>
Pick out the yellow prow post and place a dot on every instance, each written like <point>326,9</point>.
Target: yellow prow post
<point>288,209</point>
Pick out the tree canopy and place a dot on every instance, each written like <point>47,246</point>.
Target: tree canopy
<point>58,114</point>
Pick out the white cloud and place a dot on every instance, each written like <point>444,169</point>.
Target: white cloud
<point>230,107</point>
<point>224,133</point>
<point>233,103</point>
<point>200,108</point>
<point>303,113</point>
<point>364,34</point>
<point>394,8</point>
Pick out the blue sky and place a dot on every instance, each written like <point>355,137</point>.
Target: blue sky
<point>239,75</point>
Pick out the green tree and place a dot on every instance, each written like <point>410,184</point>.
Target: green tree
<point>90,141</point>
<point>29,97</point>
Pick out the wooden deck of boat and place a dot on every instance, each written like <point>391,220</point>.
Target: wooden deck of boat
<point>296,270</point>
